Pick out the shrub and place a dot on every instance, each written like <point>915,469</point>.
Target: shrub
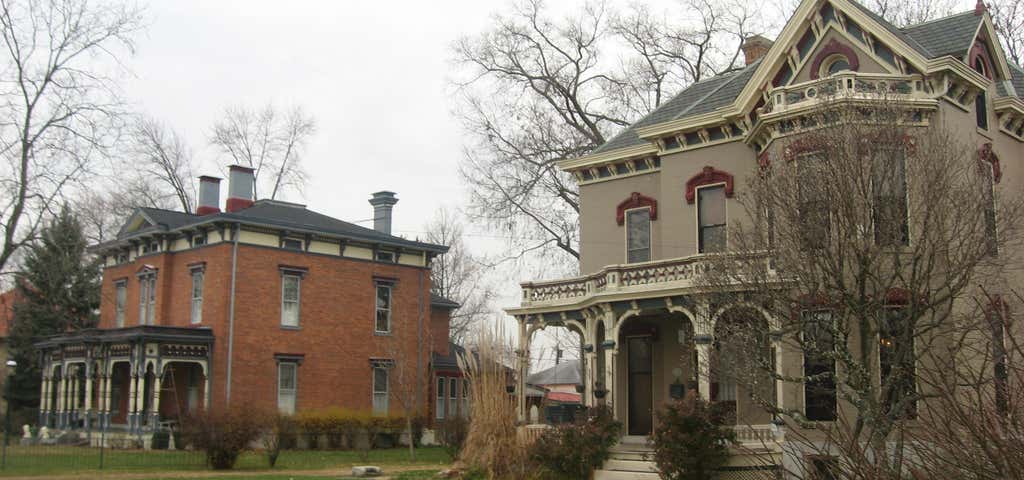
<point>576,449</point>
<point>451,434</point>
<point>280,435</point>
<point>224,433</point>
<point>691,441</point>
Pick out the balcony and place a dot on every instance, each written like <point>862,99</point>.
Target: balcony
<point>849,85</point>
<point>678,274</point>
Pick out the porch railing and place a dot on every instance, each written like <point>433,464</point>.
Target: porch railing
<point>755,435</point>
<point>674,272</point>
<point>847,85</point>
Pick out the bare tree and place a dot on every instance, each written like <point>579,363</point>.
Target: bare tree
<point>1008,17</point>
<point>458,275</point>
<point>878,232</point>
<point>539,89</point>
<point>270,142</point>
<point>163,158</point>
<point>110,200</point>
<point>60,107</point>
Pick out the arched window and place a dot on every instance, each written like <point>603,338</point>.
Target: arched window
<point>897,362</point>
<point>836,64</point>
<point>819,365</point>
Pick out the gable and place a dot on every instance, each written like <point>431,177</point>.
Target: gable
<point>835,44</point>
<point>138,221</point>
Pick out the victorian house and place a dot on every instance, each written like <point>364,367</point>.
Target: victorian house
<point>265,305</point>
<point>657,201</point>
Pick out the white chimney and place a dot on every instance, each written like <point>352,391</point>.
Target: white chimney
<point>209,195</point>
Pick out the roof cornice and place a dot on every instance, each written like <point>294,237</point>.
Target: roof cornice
<point>609,156</point>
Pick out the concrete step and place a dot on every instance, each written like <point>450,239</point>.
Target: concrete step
<point>629,465</point>
<point>636,456</point>
<point>616,475</point>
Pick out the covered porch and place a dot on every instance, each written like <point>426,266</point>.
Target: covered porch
<point>133,379</point>
<point>650,333</point>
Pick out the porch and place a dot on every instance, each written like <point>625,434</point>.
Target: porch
<point>651,332</point>
<point>131,379</point>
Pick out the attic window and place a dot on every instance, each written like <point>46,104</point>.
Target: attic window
<point>836,64</point>
<point>671,143</point>
<point>388,257</point>
<point>199,240</point>
<point>291,244</point>
<point>151,247</point>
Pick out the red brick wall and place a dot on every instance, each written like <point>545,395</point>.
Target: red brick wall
<point>440,319</point>
<point>336,334</point>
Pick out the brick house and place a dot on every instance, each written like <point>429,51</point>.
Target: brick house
<point>266,304</point>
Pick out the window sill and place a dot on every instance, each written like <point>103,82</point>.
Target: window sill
<point>382,334</point>
<point>985,133</point>
<point>289,327</point>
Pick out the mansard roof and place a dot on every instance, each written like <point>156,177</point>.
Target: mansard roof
<point>948,36</point>
<point>265,213</point>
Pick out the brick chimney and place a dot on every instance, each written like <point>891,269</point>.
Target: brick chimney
<point>209,195</point>
<point>382,203</point>
<point>240,183</point>
<point>755,47</point>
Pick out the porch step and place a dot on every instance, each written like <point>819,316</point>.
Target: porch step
<point>630,466</point>
<point>617,475</point>
<point>631,456</point>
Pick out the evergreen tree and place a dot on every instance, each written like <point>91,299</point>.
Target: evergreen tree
<point>60,291</point>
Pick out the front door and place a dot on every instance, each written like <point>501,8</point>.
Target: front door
<point>641,397</point>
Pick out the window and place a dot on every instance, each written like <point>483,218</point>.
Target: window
<point>813,203</point>
<point>291,244</point>
<point>998,331</point>
<point>147,298</point>
<point>380,391</point>
<point>388,257</point>
<point>465,398</point>
<point>988,195</point>
<point>835,65</point>
<point>453,397</point>
<point>439,407</point>
<point>290,299</point>
<point>638,235</point>
<point>383,309</point>
<point>981,110</point>
<point>711,219</point>
<point>199,240</point>
<point>819,366</point>
<point>287,386</point>
<point>121,298</point>
<point>896,362</point>
<point>889,189</point>
<point>197,295</point>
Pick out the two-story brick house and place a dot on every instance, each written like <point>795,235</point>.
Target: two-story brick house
<point>657,199</point>
<point>265,304</point>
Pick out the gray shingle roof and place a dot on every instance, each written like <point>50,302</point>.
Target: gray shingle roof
<point>442,302</point>
<point>951,35</point>
<point>565,373</point>
<point>450,361</point>
<point>1018,80</point>
<point>701,97</point>
<point>276,214</point>
<point>901,34</point>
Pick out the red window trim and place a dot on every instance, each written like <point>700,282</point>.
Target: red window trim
<point>708,176</point>
<point>978,50</point>
<point>635,200</point>
<point>987,154</point>
<point>834,47</point>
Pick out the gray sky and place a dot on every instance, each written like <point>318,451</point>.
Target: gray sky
<point>373,75</point>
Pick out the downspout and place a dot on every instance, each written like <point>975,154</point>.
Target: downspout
<point>231,308</point>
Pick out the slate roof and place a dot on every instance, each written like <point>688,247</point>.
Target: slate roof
<point>565,373</point>
<point>951,35</point>
<point>701,97</point>
<point>271,213</point>
<point>450,361</point>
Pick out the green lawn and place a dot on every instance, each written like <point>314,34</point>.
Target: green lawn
<point>70,460</point>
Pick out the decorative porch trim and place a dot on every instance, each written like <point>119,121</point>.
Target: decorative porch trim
<point>708,176</point>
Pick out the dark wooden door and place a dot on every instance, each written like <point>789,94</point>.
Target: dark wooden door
<point>641,394</point>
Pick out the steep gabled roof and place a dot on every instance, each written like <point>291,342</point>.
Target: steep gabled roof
<point>953,35</point>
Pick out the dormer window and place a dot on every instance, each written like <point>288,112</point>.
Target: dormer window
<point>291,244</point>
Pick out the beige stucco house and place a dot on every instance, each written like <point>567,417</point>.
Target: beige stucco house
<point>656,200</point>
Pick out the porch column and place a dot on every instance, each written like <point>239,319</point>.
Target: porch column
<point>88,395</point>
<point>108,382</point>
<point>73,407</point>
<point>524,366</point>
<point>62,387</point>
<point>154,405</point>
<point>610,354</point>
<point>44,400</point>
<point>207,386</point>
<point>132,396</point>
<point>777,351</point>
<point>704,368</point>
<point>588,379</point>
